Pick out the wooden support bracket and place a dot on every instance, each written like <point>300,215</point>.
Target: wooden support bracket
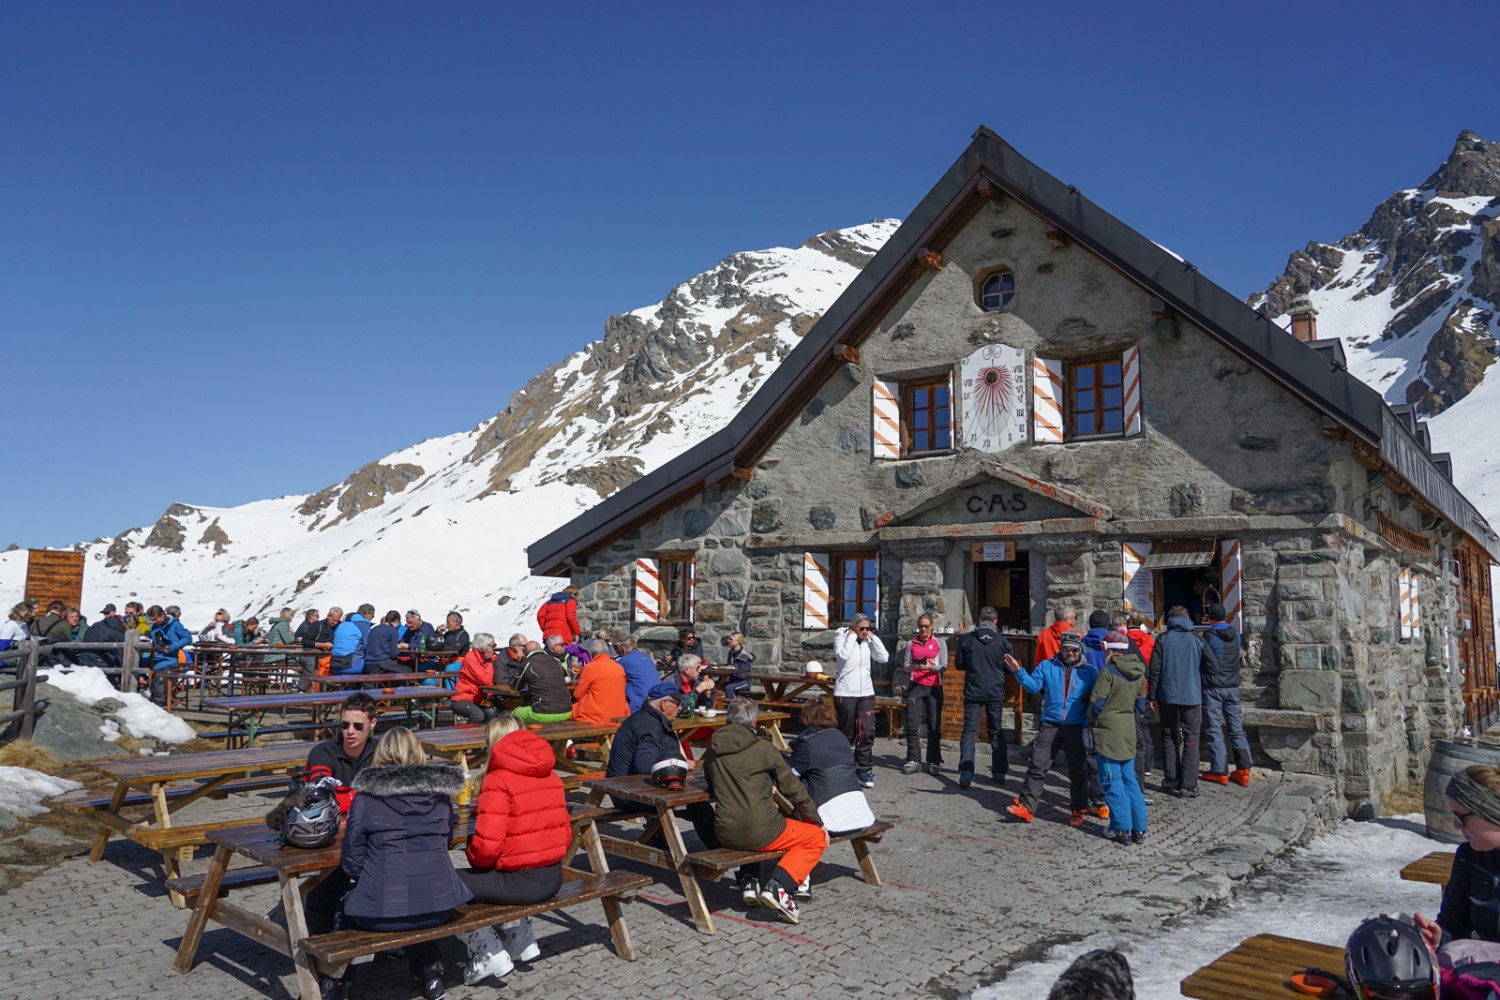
<point>1057,238</point>
<point>930,259</point>
<point>1159,308</point>
<point>990,191</point>
<point>845,352</point>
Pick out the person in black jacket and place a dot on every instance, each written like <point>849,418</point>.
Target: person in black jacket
<point>981,656</point>
<point>543,682</point>
<point>823,758</point>
<point>1468,922</point>
<point>110,628</point>
<point>646,737</point>
<point>1221,701</point>
<point>455,638</point>
<point>336,762</point>
<point>380,646</point>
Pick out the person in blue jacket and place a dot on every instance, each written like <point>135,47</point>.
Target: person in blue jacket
<point>1065,682</point>
<point>348,652</point>
<point>641,674</point>
<point>168,638</point>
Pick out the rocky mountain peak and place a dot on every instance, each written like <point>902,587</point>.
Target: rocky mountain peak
<point>1471,170</point>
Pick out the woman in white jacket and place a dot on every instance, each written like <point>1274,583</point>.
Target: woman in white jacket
<point>855,648</point>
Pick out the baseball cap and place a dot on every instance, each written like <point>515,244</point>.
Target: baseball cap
<point>109,609</point>
<point>664,690</point>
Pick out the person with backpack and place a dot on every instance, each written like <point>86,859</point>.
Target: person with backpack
<point>1118,698</point>
<point>1065,682</point>
<point>1221,701</point>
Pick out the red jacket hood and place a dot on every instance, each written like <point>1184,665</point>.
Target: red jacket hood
<point>523,752</point>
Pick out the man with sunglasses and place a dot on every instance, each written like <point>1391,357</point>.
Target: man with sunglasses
<point>335,762</point>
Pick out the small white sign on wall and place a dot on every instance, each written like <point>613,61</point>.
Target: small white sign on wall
<point>993,395</point>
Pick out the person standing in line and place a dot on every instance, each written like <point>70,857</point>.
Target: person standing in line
<point>1134,625</point>
<point>1049,640</point>
<point>923,660</point>
<point>984,655</point>
<point>1065,682</point>
<point>1221,700</point>
<point>1119,696</point>
<point>855,648</point>
<point>1175,680</point>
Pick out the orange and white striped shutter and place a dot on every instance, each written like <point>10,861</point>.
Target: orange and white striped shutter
<point>1404,584</point>
<point>885,419</point>
<point>1132,379</point>
<point>647,591</point>
<point>815,589</point>
<point>1135,583</point>
<point>1416,606</point>
<point>1232,582</point>
<point>692,584</point>
<point>1046,400</point>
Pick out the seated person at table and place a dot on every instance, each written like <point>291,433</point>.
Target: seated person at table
<point>415,636</point>
<point>335,762</point>
<point>741,659</point>
<point>508,662</point>
<point>521,835</point>
<point>647,737</point>
<point>543,682</point>
<point>600,694</point>
<point>381,647</point>
<point>741,770</point>
<point>697,691</point>
<point>396,853</point>
<point>641,674</point>
<point>168,638</point>
<point>470,704</point>
<point>455,639</point>
<point>824,759</point>
<point>687,642</point>
<point>1468,922</point>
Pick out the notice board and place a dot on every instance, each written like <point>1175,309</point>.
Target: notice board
<point>54,576</point>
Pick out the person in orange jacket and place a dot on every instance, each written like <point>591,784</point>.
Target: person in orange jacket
<point>599,696</point>
<point>1065,618</point>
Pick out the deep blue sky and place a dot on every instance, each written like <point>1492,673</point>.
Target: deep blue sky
<point>248,247</point>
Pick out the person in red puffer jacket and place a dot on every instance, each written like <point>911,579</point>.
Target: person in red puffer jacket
<point>521,836</point>
<point>470,704</point>
<point>559,615</point>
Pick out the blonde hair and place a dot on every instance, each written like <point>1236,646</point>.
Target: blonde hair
<point>1485,775</point>
<point>572,590</point>
<point>500,727</point>
<point>398,746</point>
<point>20,612</point>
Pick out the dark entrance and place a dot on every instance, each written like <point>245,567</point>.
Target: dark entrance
<point>1006,587</point>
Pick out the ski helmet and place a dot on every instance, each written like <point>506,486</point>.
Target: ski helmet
<point>1389,959</point>
<point>670,772</point>
<point>314,823</point>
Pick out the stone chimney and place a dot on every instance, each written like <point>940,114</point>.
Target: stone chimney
<point>1304,316</point>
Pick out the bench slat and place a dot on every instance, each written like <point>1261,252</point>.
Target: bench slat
<point>168,838</point>
<point>191,886</point>
<point>85,803</point>
<point>713,864</point>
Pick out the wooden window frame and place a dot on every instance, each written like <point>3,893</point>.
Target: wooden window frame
<point>839,611</point>
<point>680,565</point>
<point>984,277</point>
<point>908,408</point>
<point>1070,397</point>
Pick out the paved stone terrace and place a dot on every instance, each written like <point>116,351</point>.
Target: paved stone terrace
<point>966,894</point>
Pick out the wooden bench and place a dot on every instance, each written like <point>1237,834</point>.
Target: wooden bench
<point>333,952</point>
<point>84,802</point>
<point>189,887</point>
<point>711,865</point>
<point>1436,868</point>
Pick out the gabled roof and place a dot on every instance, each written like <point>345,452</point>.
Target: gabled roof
<point>991,168</point>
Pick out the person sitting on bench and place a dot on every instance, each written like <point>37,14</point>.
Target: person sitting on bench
<point>477,671</point>
<point>645,738</point>
<point>521,835</point>
<point>396,853</point>
<point>336,762</point>
<point>742,771</point>
<point>543,682</point>
<point>599,696</point>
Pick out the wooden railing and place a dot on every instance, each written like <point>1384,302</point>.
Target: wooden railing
<point>24,660</point>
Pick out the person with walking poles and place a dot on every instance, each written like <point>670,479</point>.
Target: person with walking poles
<point>982,655</point>
<point>923,660</point>
<point>1175,680</point>
<point>1065,682</point>
<point>1118,699</point>
<point>855,648</point>
<point>1221,701</point>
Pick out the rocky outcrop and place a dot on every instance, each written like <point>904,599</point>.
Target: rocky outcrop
<point>168,532</point>
<point>1455,362</point>
<point>215,536</point>
<point>364,490</point>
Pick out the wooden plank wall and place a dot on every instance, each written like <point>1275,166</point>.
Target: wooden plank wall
<point>1476,644</point>
<point>54,576</point>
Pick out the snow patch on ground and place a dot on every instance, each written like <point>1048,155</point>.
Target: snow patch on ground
<point>1319,893</point>
<point>140,718</point>
<point>22,790</point>
<point>110,731</point>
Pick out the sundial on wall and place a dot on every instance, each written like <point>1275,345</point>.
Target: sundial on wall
<point>993,397</point>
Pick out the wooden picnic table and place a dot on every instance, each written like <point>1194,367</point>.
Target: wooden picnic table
<point>298,871</point>
<point>1261,967</point>
<point>456,742</point>
<point>383,680</point>
<point>154,778</point>
<point>1436,868</point>
<point>248,710</point>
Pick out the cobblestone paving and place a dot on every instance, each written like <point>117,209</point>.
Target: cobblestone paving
<point>966,894</point>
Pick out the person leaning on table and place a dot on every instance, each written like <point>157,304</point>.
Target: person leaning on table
<point>336,762</point>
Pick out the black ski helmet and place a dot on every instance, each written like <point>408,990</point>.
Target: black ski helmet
<point>670,772</point>
<point>314,823</point>
<point>1389,959</point>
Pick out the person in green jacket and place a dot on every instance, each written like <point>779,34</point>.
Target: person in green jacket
<point>741,769</point>
<point>279,633</point>
<point>1119,695</point>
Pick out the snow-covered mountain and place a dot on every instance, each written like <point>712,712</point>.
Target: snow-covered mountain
<point>444,524</point>
<point>1414,295</point>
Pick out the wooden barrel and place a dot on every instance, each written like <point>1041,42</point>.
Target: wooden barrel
<point>1448,758</point>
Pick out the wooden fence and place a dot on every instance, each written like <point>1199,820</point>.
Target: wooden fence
<point>24,661</point>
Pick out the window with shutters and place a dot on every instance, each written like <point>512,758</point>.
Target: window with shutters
<point>1094,394</point>
<point>855,586</point>
<point>995,289</point>
<point>676,587</point>
<point>927,417</point>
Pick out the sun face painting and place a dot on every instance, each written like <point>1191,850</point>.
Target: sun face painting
<point>994,408</point>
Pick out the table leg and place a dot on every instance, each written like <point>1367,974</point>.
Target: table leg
<point>198,920</point>
<point>691,890</point>
<point>777,740</point>
<point>170,856</point>
<point>101,839</point>
<point>296,933</point>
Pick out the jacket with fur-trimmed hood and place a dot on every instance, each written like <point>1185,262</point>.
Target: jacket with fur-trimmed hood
<point>396,843</point>
<point>740,769</point>
<point>522,818</point>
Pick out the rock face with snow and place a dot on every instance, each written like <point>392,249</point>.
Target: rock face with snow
<point>1414,295</point>
<point>661,378</point>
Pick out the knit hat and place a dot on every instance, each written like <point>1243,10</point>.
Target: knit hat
<point>664,690</point>
<point>1117,640</point>
<point>1099,619</point>
<point>1071,640</point>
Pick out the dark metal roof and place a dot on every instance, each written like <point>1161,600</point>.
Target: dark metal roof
<point>1314,375</point>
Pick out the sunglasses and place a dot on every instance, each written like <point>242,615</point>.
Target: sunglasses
<point>358,727</point>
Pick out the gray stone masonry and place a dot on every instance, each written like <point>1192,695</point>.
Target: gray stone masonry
<point>953,873</point>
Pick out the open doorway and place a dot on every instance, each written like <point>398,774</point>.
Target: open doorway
<point>1005,585</point>
<point>1191,573</point>
<point>1194,588</point>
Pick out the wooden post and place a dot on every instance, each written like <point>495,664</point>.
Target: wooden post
<point>27,692</point>
<point>130,658</point>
